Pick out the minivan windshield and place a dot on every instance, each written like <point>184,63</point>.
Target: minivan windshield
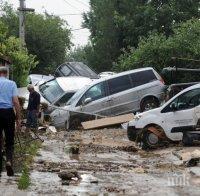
<point>77,95</point>
<point>51,90</point>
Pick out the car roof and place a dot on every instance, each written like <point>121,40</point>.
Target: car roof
<point>121,74</point>
<point>73,83</point>
<point>191,87</point>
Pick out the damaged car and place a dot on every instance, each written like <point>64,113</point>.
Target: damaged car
<point>37,79</point>
<point>58,91</point>
<point>177,120</point>
<point>75,69</point>
<point>126,92</point>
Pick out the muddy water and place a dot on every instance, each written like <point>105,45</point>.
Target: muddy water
<point>108,165</point>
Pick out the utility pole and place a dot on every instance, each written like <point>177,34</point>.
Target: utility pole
<point>22,9</point>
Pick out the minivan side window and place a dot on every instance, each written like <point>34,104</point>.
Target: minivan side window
<point>119,84</point>
<point>96,92</point>
<point>142,77</point>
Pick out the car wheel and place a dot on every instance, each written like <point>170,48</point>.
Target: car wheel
<point>149,103</point>
<point>75,124</point>
<point>132,134</point>
<point>149,140</point>
<point>187,140</point>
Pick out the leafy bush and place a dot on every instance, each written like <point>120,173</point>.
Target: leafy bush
<point>22,62</point>
<point>158,51</point>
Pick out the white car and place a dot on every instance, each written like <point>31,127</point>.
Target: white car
<point>106,74</point>
<point>178,119</point>
<point>58,91</point>
<point>37,79</point>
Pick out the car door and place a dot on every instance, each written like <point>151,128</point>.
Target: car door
<point>121,95</point>
<point>98,100</point>
<point>181,112</point>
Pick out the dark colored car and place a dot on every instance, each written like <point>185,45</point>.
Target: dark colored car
<point>75,69</point>
<point>180,78</point>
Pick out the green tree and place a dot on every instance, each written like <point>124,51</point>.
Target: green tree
<point>119,24</point>
<point>22,62</point>
<point>104,41</point>
<point>78,54</point>
<point>47,37</point>
<point>158,51</point>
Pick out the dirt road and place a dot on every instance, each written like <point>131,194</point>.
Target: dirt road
<point>108,164</point>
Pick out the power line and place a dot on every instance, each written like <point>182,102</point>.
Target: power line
<point>83,3</point>
<point>68,14</point>
<point>77,29</point>
<point>71,5</point>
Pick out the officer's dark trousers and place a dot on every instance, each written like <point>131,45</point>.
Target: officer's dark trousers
<point>7,125</point>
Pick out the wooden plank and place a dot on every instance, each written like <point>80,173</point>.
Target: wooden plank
<point>108,121</point>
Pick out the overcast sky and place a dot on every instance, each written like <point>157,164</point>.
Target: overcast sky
<point>62,8</point>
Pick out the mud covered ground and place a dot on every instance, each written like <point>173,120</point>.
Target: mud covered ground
<point>108,164</point>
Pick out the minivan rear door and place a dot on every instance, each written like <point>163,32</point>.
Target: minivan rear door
<point>99,102</point>
<point>123,97</point>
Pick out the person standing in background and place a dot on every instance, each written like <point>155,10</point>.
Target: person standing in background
<point>33,108</point>
<point>9,113</point>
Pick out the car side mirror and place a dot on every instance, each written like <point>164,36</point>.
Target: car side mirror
<point>87,100</point>
<point>173,106</point>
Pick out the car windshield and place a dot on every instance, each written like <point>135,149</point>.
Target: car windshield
<point>51,91</point>
<point>76,95</point>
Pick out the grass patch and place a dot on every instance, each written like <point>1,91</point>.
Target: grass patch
<point>24,181</point>
<point>25,158</point>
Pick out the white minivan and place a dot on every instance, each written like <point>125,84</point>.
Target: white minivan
<point>130,91</point>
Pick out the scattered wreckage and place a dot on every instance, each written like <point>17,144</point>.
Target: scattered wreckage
<point>126,92</point>
<point>177,120</point>
<point>176,76</point>
<point>114,95</point>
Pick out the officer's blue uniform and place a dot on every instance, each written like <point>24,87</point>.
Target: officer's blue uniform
<point>8,90</point>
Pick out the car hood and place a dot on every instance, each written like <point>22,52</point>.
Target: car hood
<point>60,112</point>
<point>155,112</point>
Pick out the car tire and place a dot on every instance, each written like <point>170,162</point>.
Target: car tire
<point>149,103</point>
<point>187,140</point>
<point>75,124</point>
<point>149,140</point>
<point>131,134</point>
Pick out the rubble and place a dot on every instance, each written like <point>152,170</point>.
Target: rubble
<point>105,161</point>
<point>69,175</point>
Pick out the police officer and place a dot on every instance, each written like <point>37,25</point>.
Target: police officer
<point>9,112</point>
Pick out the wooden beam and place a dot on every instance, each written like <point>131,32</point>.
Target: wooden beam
<point>107,122</point>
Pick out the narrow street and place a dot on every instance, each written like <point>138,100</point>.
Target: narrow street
<point>108,163</point>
